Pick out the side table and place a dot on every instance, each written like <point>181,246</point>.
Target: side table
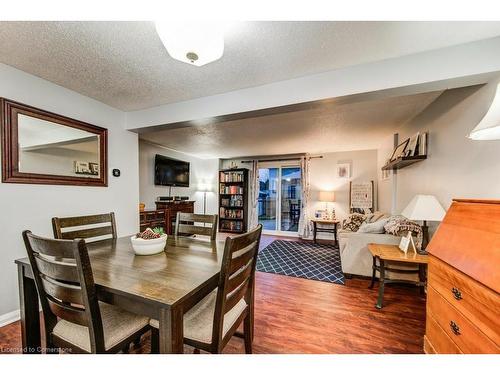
<point>331,229</point>
<point>392,253</point>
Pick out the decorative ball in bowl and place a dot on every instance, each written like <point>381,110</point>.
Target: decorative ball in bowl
<point>149,242</point>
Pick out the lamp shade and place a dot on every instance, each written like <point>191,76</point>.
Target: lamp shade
<point>424,207</point>
<point>204,186</point>
<point>489,127</point>
<point>327,196</point>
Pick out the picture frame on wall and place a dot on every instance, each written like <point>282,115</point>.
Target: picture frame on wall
<point>344,170</point>
<point>412,149</point>
<point>400,150</point>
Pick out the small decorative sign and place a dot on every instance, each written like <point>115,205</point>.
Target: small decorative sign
<point>405,242</point>
<point>362,195</point>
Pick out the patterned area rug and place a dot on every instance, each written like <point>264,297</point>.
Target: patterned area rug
<point>302,259</point>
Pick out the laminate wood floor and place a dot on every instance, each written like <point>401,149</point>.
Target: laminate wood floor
<point>295,315</point>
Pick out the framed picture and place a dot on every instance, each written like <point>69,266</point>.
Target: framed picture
<point>320,214</point>
<point>406,241</point>
<point>94,168</point>
<point>82,167</point>
<point>344,170</point>
<point>400,150</point>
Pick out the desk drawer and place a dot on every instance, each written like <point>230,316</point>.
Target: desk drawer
<point>461,330</point>
<point>439,340</point>
<point>476,302</point>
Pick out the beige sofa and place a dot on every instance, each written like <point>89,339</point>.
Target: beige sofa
<point>356,258</point>
<point>354,254</point>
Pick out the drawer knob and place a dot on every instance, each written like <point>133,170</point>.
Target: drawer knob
<point>454,328</point>
<point>456,293</point>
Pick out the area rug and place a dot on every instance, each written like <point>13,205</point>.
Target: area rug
<point>302,259</point>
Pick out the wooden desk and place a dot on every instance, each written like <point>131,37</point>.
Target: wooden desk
<point>161,286</point>
<point>392,253</point>
<point>317,229</point>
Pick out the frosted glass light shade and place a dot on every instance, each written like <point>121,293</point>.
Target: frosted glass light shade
<point>424,207</point>
<point>489,127</point>
<point>327,196</point>
<point>193,42</point>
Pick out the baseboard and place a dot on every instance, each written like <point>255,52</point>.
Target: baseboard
<point>9,317</point>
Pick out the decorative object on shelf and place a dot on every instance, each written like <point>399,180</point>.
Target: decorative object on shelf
<point>344,170</point>
<point>149,242</point>
<point>489,127</point>
<point>233,200</point>
<point>328,197</point>
<point>142,206</point>
<point>424,208</point>
<point>400,150</point>
<point>412,148</point>
<point>361,197</point>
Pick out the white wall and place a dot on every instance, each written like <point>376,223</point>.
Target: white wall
<point>456,167</point>
<point>32,206</point>
<point>201,170</point>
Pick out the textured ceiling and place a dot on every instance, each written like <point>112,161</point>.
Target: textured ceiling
<point>125,65</point>
<point>358,125</point>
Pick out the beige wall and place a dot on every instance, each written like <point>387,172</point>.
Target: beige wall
<point>200,171</point>
<point>456,167</point>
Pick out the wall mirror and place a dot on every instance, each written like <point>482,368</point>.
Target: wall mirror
<point>40,147</point>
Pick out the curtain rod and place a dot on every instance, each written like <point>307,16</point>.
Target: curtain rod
<point>288,159</point>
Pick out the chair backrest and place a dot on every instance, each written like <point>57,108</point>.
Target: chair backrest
<point>184,224</point>
<point>236,279</point>
<point>65,284</point>
<point>70,228</point>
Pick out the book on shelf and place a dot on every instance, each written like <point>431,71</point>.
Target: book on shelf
<point>236,176</point>
<point>231,189</point>
<point>233,226</point>
<point>233,201</point>
<point>225,213</point>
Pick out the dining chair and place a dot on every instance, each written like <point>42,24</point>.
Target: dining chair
<point>74,319</point>
<point>70,228</point>
<point>211,323</point>
<point>184,224</point>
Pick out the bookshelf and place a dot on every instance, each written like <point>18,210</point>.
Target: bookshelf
<point>233,200</point>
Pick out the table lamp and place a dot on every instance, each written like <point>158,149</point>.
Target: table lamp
<point>327,197</point>
<point>424,208</point>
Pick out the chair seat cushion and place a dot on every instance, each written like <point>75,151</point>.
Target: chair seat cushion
<point>117,325</point>
<point>198,322</point>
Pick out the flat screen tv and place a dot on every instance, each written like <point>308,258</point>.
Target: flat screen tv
<point>171,172</point>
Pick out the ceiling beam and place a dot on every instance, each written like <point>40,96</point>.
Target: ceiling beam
<point>451,67</point>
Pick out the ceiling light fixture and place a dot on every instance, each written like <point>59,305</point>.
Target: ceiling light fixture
<point>489,127</point>
<point>193,42</point>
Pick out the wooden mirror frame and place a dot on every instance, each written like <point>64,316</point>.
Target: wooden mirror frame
<point>9,111</point>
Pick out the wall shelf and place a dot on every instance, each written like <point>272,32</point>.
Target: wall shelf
<point>402,162</point>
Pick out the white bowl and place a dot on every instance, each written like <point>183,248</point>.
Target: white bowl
<point>148,247</point>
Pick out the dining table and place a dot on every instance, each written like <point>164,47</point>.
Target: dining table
<point>162,286</point>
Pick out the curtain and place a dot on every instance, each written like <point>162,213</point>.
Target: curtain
<point>253,218</point>
<point>304,223</point>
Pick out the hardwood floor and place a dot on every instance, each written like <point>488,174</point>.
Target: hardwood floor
<point>295,315</point>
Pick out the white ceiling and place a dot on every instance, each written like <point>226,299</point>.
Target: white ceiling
<point>125,65</point>
<point>357,125</point>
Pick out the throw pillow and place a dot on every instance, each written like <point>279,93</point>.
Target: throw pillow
<point>399,226</point>
<point>376,227</point>
<point>353,222</point>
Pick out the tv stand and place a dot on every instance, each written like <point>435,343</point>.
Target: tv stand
<point>171,208</point>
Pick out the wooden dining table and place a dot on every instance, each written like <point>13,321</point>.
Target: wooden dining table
<point>161,286</point>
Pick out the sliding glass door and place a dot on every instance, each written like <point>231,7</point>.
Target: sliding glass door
<point>279,198</point>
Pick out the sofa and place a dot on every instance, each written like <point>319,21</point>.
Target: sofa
<point>355,257</point>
